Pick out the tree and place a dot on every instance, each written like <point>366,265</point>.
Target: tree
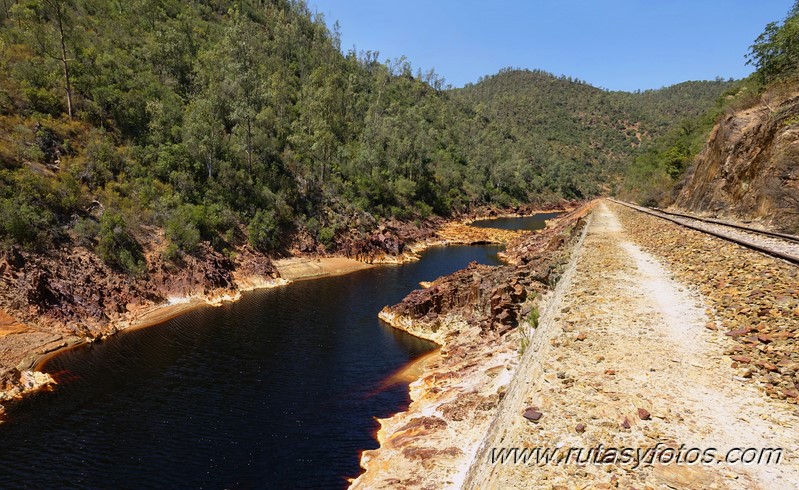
<point>241,63</point>
<point>52,41</point>
<point>775,52</point>
<point>205,132</point>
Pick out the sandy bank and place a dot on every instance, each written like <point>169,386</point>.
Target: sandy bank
<point>299,268</point>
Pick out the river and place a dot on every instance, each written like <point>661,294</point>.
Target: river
<point>278,390</point>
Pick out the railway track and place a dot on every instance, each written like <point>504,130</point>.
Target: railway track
<point>779,245</point>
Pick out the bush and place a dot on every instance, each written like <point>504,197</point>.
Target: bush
<point>100,163</point>
<point>312,225</point>
<point>24,224</point>
<point>86,231</point>
<point>264,231</point>
<point>182,229</point>
<point>326,235</point>
<point>117,247</point>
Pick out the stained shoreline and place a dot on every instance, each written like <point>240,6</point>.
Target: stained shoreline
<point>290,269</point>
<point>160,314</point>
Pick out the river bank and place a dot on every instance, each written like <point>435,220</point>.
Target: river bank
<point>27,345</point>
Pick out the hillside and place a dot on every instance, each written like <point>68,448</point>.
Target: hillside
<point>567,137</point>
<point>748,168</point>
<point>159,149</point>
<point>226,122</point>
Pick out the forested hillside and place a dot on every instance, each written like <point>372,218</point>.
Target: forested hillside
<point>226,121</point>
<point>565,137</point>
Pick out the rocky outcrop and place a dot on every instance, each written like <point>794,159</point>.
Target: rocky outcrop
<point>489,297</point>
<point>749,168</point>
<point>73,288</point>
<point>492,298</point>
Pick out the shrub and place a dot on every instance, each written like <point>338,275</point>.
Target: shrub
<point>533,317</point>
<point>182,229</point>
<point>326,235</point>
<point>86,231</point>
<point>312,225</point>
<point>263,230</point>
<point>117,247</point>
<point>25,224</point>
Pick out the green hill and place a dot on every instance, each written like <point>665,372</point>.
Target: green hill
<point>567,137</point>
<point>228,121</point>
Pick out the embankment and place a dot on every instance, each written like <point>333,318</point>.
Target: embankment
<point>747,169</point>
<point>632,357</point>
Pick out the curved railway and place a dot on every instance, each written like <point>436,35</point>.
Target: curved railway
<point>779,245</point>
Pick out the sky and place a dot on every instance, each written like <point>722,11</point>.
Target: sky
<point>612,44</point>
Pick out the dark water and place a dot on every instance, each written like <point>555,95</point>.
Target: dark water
<point>535,222</point>
<point>278,390</point>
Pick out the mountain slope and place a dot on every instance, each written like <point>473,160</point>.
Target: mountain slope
<point>574,138</point>
<point>242,122</point>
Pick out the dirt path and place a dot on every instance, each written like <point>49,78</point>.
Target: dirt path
<point>622,358</point>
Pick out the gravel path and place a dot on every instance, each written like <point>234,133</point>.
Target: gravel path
<point>624,358</point>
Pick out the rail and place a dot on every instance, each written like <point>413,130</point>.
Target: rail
<point>670,216</point>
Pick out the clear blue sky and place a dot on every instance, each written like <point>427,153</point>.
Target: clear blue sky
<point>614,44</point>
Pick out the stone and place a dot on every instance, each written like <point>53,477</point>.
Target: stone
<point>579,428</point>
<point>644,414</point>
<point>738,332</point>
<point>532,414</point>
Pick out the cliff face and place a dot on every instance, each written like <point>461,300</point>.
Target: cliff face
<point>749,168</point>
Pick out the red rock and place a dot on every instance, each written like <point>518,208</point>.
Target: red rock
<point>737,332</point>
<point>610,372</point>
<point>769,366</point>
<point>741,359</point>
<point>532,414</point>
<point>581,336</point>
<point>625,424</point>
<point>644,414</point>
<point>580,428</point>
<point>791,392</point>
<point>711,326</point>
